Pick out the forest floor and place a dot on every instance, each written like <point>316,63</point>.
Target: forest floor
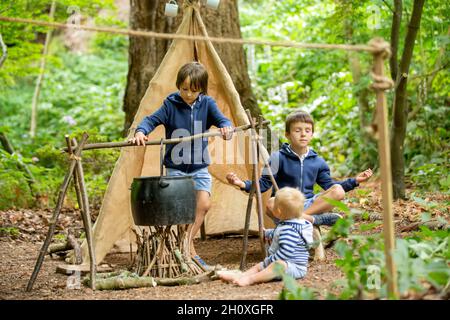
<point>23,231</point>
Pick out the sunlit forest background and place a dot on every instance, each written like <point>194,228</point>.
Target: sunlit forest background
<point>85,78</point>
<point>82,84</point>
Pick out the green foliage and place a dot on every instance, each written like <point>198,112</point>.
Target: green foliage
<point>25,42</point>
<point>421,261</point>
<point>423,258</point>
<point>79,93</point>
<point>291,290</point>
<point>14,186</point>
<point>9,231</point>
<point>321,81</point>
<point>61,237</point>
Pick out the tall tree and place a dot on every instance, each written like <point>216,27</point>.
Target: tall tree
<point>399,72</point>
<point>145,54</point>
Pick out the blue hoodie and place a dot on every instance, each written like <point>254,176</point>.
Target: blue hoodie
<point>180,120</point>
<point>290,171</point>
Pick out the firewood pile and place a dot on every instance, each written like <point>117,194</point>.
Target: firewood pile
<point>163,252</point>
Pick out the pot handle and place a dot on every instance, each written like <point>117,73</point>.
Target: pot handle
<point>162,183</point>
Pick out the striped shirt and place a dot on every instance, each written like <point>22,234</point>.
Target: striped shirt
<point>290,242</point>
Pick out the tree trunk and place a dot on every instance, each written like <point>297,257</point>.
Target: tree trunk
<point>395,35</point>
<point>400,111</point>
<point>146,54</point>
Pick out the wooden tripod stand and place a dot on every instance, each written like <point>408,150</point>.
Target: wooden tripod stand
<point>75,171</point>
<point>256,146</point>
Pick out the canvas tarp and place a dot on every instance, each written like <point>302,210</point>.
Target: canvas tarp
<point>227,213</point>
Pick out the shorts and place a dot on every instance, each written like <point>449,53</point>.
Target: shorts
<point>202,178</point>
<point>293,270</point>
<point>308,202</point>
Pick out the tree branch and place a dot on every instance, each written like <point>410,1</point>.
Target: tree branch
<point>426,75</point>
<point>387,5</point>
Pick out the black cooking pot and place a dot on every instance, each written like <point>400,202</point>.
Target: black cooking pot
<point>166,201</point>
<point>163,200</point>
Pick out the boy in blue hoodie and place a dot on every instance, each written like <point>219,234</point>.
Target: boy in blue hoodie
<point>296,165</point>
<point>188,112</point>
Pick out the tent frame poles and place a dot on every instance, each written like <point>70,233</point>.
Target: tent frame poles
<point>255,176</point>
<point>73,172</point>
<point>247,224</point>
<point>255,180</point>
<point>83,203</point>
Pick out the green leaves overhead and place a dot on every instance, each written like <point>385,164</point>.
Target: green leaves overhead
<point>322,81</point>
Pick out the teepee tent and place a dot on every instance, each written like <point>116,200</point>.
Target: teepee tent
<point>227,214</point>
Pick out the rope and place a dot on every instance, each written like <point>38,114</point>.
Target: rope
<point>381,82</point>
<point>374,48</point>
<point>381,47</point>
<point>74,157</point>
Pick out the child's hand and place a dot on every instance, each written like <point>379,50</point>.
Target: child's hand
<point>363,176</point>
<point>234,180</point>
<point>226,132</point>
<point>139,138</point>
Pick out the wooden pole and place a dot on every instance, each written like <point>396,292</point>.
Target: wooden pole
<point>266,161</point>
<point>104,145</point>
<point>385,168</point>
<point>40,78</point>
<point>255,166</point>
<point>56,212</point>
<point>85,213</point>
<point>247,225</point>
<point>75,177</point>
<point>243,264</point>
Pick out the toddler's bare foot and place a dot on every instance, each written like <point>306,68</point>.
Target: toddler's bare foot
<point>228,276</point>
<point>242,281</point>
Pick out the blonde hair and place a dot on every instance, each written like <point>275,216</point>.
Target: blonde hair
<point>290,203</point>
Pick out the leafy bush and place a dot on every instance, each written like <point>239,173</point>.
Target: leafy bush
<point>14,186</point>
<point>80,93</point>
<point>421,261</point>
<point>322,81</point>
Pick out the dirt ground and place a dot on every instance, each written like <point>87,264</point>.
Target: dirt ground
<point>17,261</point>
<point>19,251</point>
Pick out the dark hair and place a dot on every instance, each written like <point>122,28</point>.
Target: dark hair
<point>196,73</point>
<point>298,116</point>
